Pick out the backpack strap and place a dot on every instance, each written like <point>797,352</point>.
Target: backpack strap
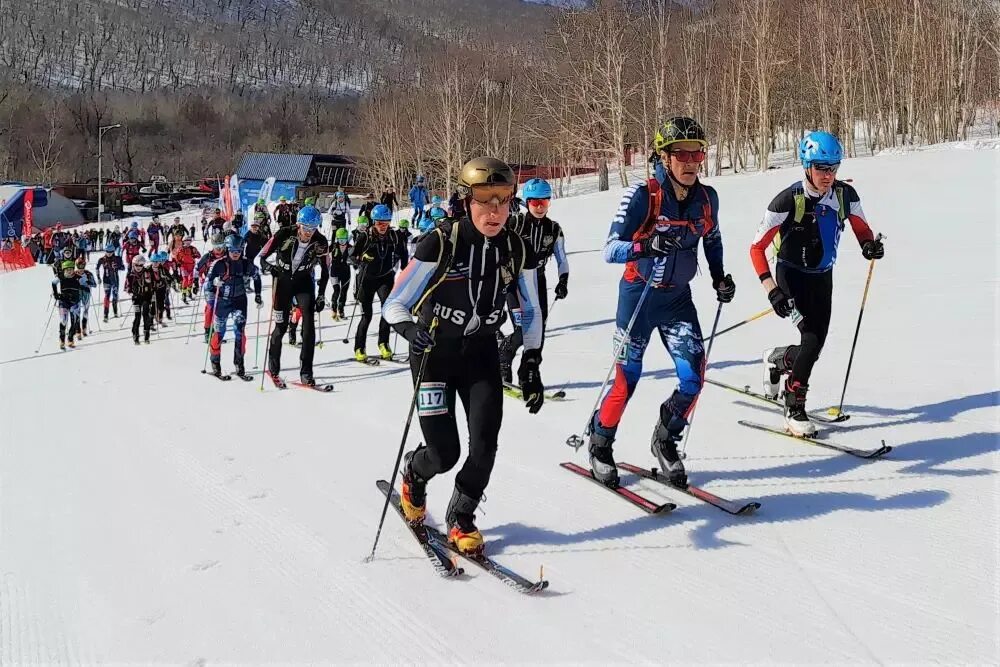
<point>800,205</point>
<point>841,207</point>
<point>446,253</point>
<point>655,201</point>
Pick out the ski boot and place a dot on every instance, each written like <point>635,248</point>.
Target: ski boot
<point>384,351</point>
<point>145,337</point>
<point>413,498</point>
<point>359,354</point>
<point>292,335</point>
<point>135,338</point>
<point>663,446</point>
<point>184,298</point>
<point>334,315</point>
<point>105,318</point>
<point>72,343</point>
<point>62,344</point>
<point>462,531</point>
<point>340,314</point>
<point>307,379</point>
<point>216,368</point>
<point>602,460</point>
<point>796,419</point>
<point>116,309</point>
<point>774,365</point>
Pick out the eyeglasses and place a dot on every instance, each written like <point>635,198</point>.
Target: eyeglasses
<point>496,195</point>
<point>688,156</point>
<point>826,168</point>
<point>537,202</point>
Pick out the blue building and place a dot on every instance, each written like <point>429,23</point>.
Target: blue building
<point>296,176</point>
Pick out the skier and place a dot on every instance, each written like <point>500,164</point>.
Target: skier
<point>112,265</point>
<point>229,278</point>
<point>283,214</point>
<point>202,268</point>
<point>68,297</point>
<point>255,240</point>
<point>360,229</point>
<point>153,232</point>
<point>165,279</point>
<point>66,254</point>
<point>545,238</point>
<point>141,284</point>
<point>418,198</point>
<point>376,252</point>
<point>87,283</point>
<point>340,273</point>
<point>481,261</point>
<point>403,230</point>
<point>260,209</point>
<point>366,208</point>
<point>175,237</point>
<point>132,246</point>
<point>83,247</point>
<point>809,215</point>
<point>656,233</point>
<point>186,259</point>
<point>389,198</point>
<point>297,250</point>
<point>340,210</point>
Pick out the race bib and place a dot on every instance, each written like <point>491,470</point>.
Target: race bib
<point>516,316</point>
<point>431,399</point>
<point>620,348</point>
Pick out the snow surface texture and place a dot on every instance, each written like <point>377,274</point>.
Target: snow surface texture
<point>152,514</point>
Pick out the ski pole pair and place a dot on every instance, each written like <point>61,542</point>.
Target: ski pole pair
<point>402,443</point>
<point>52,310</point>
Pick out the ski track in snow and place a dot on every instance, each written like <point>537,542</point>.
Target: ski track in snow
<point>150,515</point>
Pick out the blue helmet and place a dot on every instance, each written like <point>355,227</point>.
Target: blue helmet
<point>109,248</point>
<point>436,200</point>
<point>234,243</point>
<point>437,213</point>
<point>133,235</point>
<point>820,147</point>
<point>134,225</point>
<point>537,188</point>
<point>381,213</point>
<point>309,216</point>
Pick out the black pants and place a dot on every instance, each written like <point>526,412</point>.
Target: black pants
<point>339,222</point>
<point>516,339</point>
<point>162,303</point>
<point>367,289</point>
<point>341,280</point>
<point>286,289</point>
<point>143,309</point>
<point>813,294</point>
<point>470,369</point>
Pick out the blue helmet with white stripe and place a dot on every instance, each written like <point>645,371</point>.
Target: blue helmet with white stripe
<point>820,147</point>
<point>381,213</point>
<point>537,188</point>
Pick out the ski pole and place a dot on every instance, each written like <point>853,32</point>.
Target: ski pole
<point>194,316</point>
<point>708,354</point>
<point>347,334</point>
<point>267,345</point>
<point>357,298</point>
<point>839,410</point>
<point>766,311</point>
<point>256,361</point>
<point>402,444</point>
<point>211,331</point>
<point>574,440</point>
<point>52,310</point>
<point>319,328</point>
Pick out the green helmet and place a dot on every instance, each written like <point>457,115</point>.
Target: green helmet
<point>678,128</point>
<point>310,201</point>
<point>68,264</point>
<point>341,236</point>
<point>363,220</point>
<point>404,223</point>
<point>261,201</point>
<point>282,198</point>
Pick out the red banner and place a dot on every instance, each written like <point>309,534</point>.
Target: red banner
<point>29,200</point>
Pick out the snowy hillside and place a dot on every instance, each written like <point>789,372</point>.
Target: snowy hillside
<point>151,514</point>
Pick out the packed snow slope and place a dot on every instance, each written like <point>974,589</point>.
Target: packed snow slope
<point>149,513</point>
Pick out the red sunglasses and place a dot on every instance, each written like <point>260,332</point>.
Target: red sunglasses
<point>688,156</point>
<point>537,201</point>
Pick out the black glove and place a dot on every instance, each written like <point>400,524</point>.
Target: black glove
<point>562,289</point>
<point>873,249</point>
<point>657,245</point>
<point>781,303</point>
<point>725,289</point>
<point>320,303</point>
<point>258,299</point>
<point>530,375</point>
<point>420,338</point>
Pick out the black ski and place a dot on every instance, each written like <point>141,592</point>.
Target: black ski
<point>325,388</point>
<point>435,552</point>
<point>730,506</point>
<point>506,575</point>
<point>514,391</point>
<point>224,378</point>
<point>821,442</point>
<point>244,377</point>
<point>642,503</point>
<point>775,403</point>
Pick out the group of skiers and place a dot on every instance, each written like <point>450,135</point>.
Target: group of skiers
<point>449,289</point>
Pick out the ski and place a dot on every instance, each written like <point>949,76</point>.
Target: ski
<point>821,442</point>
<point>775,403</point>
<point>490,566</point>
<point>435,552</point>
<point>276,379</point>
<point>224,378</point>
<point>730,506</point>
<point>642,503</point>
<point>368,361</point>
<point>514,391</point>
<point>244,377</point>
<point>325,388</point>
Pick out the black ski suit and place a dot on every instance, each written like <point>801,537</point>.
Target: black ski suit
<point>294,280</point>
<point>376,255</point>
<point>340,276</point>
<point>468,300</point>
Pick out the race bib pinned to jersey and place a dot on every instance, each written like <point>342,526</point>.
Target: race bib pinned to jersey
<point>621,346</point>
<point>431,400</point>
<point>515,314</point>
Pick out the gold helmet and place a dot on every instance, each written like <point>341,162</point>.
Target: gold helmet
<point>485,171</point>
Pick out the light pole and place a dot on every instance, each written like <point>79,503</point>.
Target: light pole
<point>100,156</point>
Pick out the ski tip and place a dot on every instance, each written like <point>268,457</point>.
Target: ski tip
<point>749,508</point>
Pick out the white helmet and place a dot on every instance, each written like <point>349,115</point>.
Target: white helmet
<point>138,262</point>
